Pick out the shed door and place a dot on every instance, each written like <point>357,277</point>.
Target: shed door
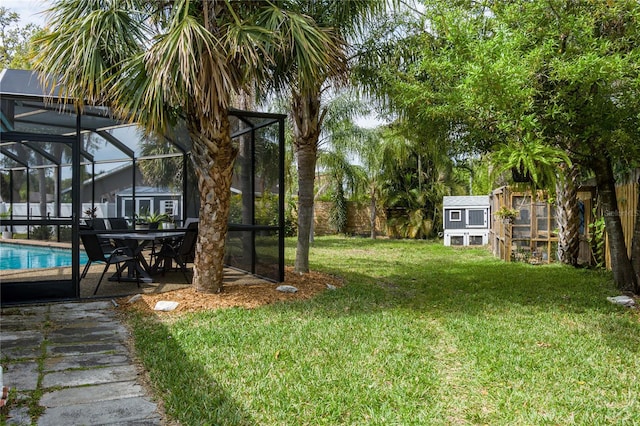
<point>477,218</point>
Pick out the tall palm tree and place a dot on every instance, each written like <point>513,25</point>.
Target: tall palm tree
<point>156,62</point>
<point>341,21</point>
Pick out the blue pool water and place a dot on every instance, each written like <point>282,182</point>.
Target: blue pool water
<point>23,256</point>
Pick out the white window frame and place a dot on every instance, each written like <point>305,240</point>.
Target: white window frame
<point>174,207</point>
<point>137,209</point>
<point>451,219</point>
<point>484,225</point>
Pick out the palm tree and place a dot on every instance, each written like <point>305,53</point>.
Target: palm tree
<point>157,62</point>
<point>340,21</point>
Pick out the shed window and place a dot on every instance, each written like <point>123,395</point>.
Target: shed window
<point>477,218</point>
<point>475,240</point>
<point>457,240</point>
<point>455,215</point>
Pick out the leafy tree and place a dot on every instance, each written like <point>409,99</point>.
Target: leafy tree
<point>157,62</point>
<point>580,60</point>
<point>15,40</point>
<point>481,74</point>
<point>531,160</point>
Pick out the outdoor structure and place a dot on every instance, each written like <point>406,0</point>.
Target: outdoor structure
<point>50,148</point>
<point>149,200</point>
<point>466,220</point>
<point>531,235</point>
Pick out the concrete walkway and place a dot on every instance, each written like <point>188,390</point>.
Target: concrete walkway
<point>69,364</point>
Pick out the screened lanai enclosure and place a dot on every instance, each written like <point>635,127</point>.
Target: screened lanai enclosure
<point>60,169</point>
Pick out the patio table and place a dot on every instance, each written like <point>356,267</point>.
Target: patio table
<point>141,240</point>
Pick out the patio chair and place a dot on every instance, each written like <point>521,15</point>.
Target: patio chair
<point>98,224</point>
<point>182,251</point>
<point>188,221</point>
<point>118,223</point>
<point>95,253</point>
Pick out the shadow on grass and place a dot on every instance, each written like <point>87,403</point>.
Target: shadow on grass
<point>430,278</point>
<point>457,289</point>
<point>190,393</point>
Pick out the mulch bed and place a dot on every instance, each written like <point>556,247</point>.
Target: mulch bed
<point>248,295</point>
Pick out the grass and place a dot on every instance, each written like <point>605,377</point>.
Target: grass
<point>420,334</point>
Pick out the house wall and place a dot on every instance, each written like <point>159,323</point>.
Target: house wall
<point>453,224</point>
<point>107,187</point>
<point>466,237</point>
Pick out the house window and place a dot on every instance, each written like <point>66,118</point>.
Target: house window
<point>169,207</point>
<point>455,215</point>
<point>142,207</point>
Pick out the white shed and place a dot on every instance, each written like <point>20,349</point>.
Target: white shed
<point>466,220</point>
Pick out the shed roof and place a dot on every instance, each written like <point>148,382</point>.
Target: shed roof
<point>466,201</point>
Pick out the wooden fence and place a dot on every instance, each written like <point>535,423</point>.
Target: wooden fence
<point>358,222</point>
<point>627,195</point>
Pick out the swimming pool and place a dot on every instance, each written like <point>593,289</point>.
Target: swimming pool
<point>24,256</point>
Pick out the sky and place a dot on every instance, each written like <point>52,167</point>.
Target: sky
<point>30,11</point>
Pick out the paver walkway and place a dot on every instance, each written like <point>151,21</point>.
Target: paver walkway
<point>71,359</point>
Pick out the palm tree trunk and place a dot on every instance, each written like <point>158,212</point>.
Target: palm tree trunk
<point>213,156</point>
<point>568,216</point>
<point>623,274</point>
<point>306,131</point>
<point>373,214</point>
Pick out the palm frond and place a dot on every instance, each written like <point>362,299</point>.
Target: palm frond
<point>86,43</point>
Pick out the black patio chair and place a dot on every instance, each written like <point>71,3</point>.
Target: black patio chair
<point>182,251</point>
<point>95,253</point>
<point>98,224</point>
<point>118,223</point>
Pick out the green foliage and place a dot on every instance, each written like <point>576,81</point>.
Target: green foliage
<point>530,158</point>
<point>597,240</point>
<point>338,211</point>
<point>266,212</point>
<point>235,209</point>
<point>506,213</point>
<point>415,224</point>
<point>165,171</point>
<point>156,217</point>
<point>42,232</point>
<point>6,214</point>
<point>15,41</point>
<point>66,232</point>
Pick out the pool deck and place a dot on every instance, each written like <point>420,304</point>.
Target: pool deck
<point>38,243</point>
<point>171,280</point>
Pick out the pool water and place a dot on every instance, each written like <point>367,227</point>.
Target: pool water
<point>24,256</point>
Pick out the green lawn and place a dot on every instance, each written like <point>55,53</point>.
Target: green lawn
<point>420,334</point>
